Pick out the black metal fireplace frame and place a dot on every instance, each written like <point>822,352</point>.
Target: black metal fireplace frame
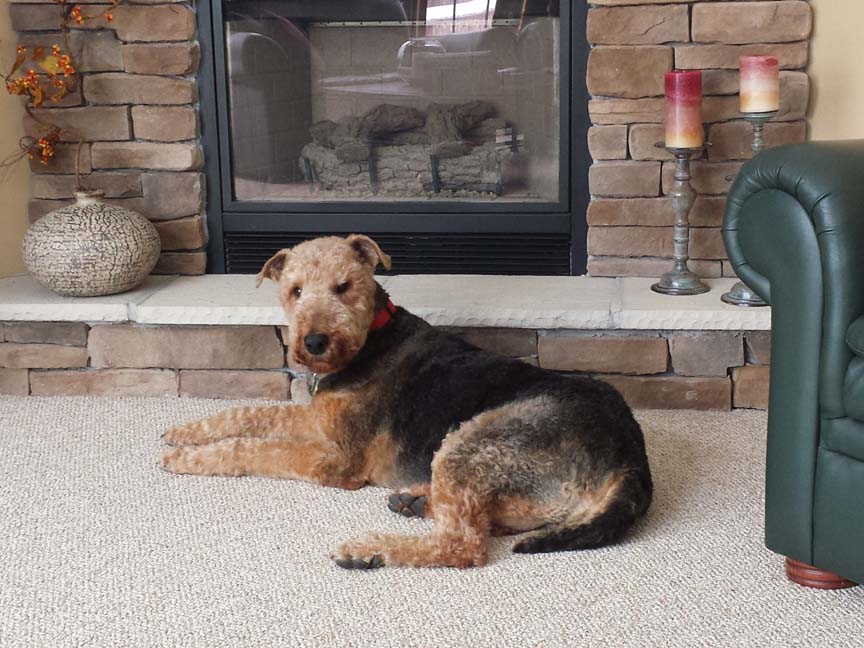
<point>227,218</point>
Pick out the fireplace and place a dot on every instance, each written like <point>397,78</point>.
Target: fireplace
<point>453,131</point>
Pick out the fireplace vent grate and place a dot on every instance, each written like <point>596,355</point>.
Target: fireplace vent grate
<point>487,254</point>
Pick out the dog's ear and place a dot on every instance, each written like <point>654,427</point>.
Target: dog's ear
<point>273,268</point>
<point>368,251</point>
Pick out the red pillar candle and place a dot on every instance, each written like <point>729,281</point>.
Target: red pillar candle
<point>684,109</point>
<point>760,84</point>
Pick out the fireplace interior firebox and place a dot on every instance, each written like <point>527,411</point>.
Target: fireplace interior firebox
<point>453,129</point>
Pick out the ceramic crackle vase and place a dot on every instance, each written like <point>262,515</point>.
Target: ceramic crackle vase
<point>91,248</point>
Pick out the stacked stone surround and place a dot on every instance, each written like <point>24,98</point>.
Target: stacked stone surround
<point>136,109</point>
<point>653,369</point>
<point>634,42</point>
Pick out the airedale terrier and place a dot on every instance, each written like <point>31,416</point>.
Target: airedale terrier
<point>480,443</point>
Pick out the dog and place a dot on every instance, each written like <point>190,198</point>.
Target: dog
<point>482,444</point>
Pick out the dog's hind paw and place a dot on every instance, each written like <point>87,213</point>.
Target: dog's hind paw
<point>407,505</point>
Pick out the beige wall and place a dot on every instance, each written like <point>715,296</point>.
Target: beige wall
<point>837,70</point>
<point>13,182</point>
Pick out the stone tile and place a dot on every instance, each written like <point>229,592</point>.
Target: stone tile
<point>41,356</point>
<point>527,302</point>
<point>641,308</point>
<point>707,177</point>
<point>59,187</point>
<point>35,18</point>
<point>172,195</point>
<point>213,299</point>
<point>674,392</point>
<point>751,386</point>
<point>728,270</point>
<point>706,354</point>
<point>162,58</point>
<point>630,241</point>
<point>637,241</point>
<point>269,385</point>
<point>606,266</point>
<point>181,263</point>
<point>65,333</point>
<point>14,382</point>
<point>733,140</point>
<point>758,347</point>
<point>638,25</point>
<point>164,124</point>
<point>701,57</point>
<point>627,111</point>
<point>22,298</point>
<point>708,211</point>
<point>157,23</point>
<point>182,233</point>
<point>121,88</point>
<point>707,243</point>
<point>105,382</point>
<point>146,155</point>
<point>720,82</point>
<point>615,212</point>
<point>621,179</point>
<point>751,22</point>
<point>194,347</point>
<point>642,140</point>
<point>629,72</point>
<point>608,142</point>
<point>653,212</point>
<point>607,354</point>
<point>503,341</point>
<point>718,109</point>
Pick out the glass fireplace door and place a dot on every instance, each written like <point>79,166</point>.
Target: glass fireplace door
<point>399,117</point>
<point>385,100</point>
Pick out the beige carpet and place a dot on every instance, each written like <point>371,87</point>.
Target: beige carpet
<point>101,548</point>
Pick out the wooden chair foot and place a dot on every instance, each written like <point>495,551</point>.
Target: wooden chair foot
<point>810,576</point>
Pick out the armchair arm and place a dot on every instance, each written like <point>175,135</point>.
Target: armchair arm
<point>794,230</point>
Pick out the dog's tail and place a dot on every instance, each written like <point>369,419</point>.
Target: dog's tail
<point>630,501</point>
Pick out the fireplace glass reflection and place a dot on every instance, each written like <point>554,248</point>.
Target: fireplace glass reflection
<point>383,100</point>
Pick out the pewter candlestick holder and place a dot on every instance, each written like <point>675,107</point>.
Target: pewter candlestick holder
<point>681,280</point>
<point>741,295</point>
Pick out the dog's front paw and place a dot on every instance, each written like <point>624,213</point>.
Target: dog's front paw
<point>175,461</point>
<point>181,435</point>
<point>356,554</point>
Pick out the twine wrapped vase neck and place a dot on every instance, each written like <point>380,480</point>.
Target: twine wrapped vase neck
<point>91,248</point>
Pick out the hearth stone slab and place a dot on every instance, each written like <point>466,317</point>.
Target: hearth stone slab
<point>22,298</point>
<point>543,303</point>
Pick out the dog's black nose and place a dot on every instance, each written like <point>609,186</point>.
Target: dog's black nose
<point>316,343</point>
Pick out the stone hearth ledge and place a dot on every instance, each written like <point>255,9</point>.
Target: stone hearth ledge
<point>587,303</point>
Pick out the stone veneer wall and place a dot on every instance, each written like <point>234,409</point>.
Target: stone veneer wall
<point>634,43</point>
<point>136,107</point>
<point>653,369</point>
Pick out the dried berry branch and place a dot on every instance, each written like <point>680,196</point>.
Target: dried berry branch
<point>49,77</point>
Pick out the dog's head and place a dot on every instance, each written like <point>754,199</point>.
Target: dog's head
<point>327,288</point>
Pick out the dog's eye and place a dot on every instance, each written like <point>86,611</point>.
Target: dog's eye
<point>297,291</point>
<point>342,287</point>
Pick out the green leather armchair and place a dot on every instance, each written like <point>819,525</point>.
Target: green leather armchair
<point>794,230</point>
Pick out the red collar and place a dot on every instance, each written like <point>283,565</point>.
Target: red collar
<point>382,317</point>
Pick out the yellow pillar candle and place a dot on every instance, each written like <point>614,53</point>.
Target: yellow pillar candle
<point>760,84</point>
<point>684,109</point>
